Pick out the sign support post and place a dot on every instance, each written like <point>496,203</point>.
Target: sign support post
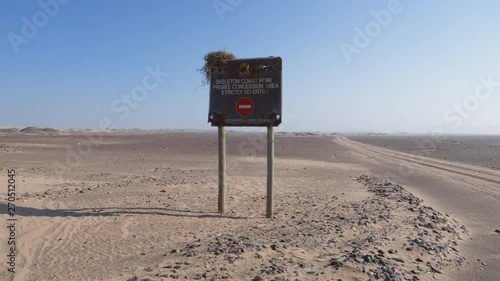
<point>222,169</point>
<point>270,171</point>
<point>246,93</point>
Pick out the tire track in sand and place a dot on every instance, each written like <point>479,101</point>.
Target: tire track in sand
<point>33,236</point>
<point>70,235</point>
<point>44,237</point>
<point>453,170</point>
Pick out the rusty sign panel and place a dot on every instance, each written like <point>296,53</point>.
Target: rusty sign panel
<point>246,92</point>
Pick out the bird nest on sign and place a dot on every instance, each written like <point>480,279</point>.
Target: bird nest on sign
<point>214,59</point>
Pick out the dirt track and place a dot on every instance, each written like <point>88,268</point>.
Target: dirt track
<point>406,162</point>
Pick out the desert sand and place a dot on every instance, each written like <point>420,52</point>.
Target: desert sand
<point>479,150</point>
<point>143,206</point>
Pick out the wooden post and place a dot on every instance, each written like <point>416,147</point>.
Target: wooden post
<point>222,169</point>
<point>270,171</point>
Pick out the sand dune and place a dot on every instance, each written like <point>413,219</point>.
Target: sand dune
<point>38,130</point>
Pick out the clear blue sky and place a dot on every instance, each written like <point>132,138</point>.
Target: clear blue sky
<point>416,67</point>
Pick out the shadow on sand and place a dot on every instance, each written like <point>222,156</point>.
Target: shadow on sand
<point>26,211</point>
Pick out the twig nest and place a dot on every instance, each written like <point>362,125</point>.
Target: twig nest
<point>214,59</point>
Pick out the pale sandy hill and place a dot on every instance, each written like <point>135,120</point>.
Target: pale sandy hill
<point>38,130</point>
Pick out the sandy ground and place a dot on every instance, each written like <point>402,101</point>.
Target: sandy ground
<point>468,192</point>
<point>143,206</point>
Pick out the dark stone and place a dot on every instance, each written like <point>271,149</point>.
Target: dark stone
<point>368,258</point>
<point>430,225</point>
<point>258,278</point>
<point>336,263</point>
<point>435,269</point>
<point>398,259</point>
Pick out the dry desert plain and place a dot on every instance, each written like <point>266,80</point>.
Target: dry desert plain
<point>142,205</point>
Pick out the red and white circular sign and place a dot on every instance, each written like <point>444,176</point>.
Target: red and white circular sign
<point>244,106</point>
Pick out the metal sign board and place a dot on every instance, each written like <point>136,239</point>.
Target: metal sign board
<point>246,92</point>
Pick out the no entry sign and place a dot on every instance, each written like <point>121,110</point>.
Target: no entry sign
<point>244,106</point>
<point>246,92</point>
